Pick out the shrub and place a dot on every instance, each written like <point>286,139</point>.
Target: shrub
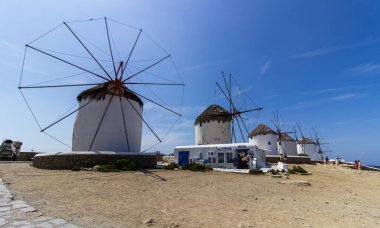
<point>196,167</point>
<point>304,155</point>
<point>108,168</point>
<point>76,168</point>
<point>256,172</point>
<point>125,165</point>
<point>171,166</point>
<point>274,171</point>
<point>297,169</point>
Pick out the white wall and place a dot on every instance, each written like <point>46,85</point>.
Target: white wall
<point>213,132</point>
<point>265,142</point>
<point>111,135</point>
<point>289,147</point>
<point>204,152</point>
<point>309,149</point>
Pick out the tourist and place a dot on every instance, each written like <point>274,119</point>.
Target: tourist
<point>285,157</point>
<point>327,160</point>
<point>337,160</point>
<point>359,165</point>
<point>356,164</point>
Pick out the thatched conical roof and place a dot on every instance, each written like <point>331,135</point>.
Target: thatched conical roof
<point>305,140</point>
<point>100,91</point>
<point>262,129</point>
<point>212,113</point>
<point>286,137</point>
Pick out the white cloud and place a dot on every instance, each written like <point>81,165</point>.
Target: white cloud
<point>327,50</point>
<point>5,44</point>
<point>367,68</point>
<point>344,96</point>
<point>264,68</point>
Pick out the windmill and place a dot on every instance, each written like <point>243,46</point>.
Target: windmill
<point>319,144</point>
<point>302,140</point>
<point>282,137</point>
<point>120,67</point>
<point>234,111</point>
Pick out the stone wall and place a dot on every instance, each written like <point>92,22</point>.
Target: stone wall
<point>90,160</point>
<point>291,159</point>
<point>26,156</point>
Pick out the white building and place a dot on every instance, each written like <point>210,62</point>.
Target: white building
<point>213,126</point>
<point>110,135</point>
<point>308,147</point>
<point>264,138</point>
<point>220,155</point>
<point>287,145</point>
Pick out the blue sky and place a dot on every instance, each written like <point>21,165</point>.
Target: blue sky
<point>315,62</point>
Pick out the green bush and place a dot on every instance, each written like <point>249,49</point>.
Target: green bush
<point>108,168</point>
<point>171,166</point>
<point>196,167</point>
<point>274,171</point>
<point>125,165</point>
<point>304,155</point>
<point>297,169</point>
<point>119,165</point>
<point>256,172</point>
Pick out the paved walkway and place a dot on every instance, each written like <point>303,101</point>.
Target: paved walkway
<point>17,213</point>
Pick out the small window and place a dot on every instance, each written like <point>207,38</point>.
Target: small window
<point>209,160</point>
<point>229,158</point>
<point>269,143</point>
<point>214,160</point>
<point>220,157</point>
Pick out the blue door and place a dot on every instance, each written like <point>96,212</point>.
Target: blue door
<point>183,157</point>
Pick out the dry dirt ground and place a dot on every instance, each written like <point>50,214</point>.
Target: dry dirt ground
<point>337,197</point>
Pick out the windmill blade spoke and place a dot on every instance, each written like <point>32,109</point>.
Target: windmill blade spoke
<point>100,123</point>
<point>146,68</point>
<point>150,128</point>
<point>67,62</point>
<point>64,117</point>
<point>110,47</point>
<point>154,102</point>
<point>125,125</point>
<point>249,110</point>
<point>151,83</point>
<point>241,132</point>
<point>130,53</point>
<point>56,86</point>
<point>245,126</point>
<point>84,46</point>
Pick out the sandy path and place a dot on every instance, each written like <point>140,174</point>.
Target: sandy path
<point>337,197</point>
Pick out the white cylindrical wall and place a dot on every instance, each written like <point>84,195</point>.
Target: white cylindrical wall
<point>266,142</point>
<point>111,135</point>
<point>289,147</point>
<point>309,150</point>
<point>213,132</point>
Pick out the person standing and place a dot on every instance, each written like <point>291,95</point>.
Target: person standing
<point>337,160</point>
<point>327,160</point>
<point>285,157</point>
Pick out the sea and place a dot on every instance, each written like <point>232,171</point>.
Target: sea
<point>375,166</point>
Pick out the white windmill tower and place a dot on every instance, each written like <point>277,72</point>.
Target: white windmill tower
<point>305,146</point>
<point>285,143</point>
<point>318,146</point>
<point>111,114</point>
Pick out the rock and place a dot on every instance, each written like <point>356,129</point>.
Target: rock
<point>174,224</point>
<point>148,221</point>
<point>96,167</point>
<point>296,182</point>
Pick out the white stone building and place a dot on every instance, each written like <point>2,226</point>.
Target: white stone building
<point>287,145</point>
<point>123,112</point>
<point>306,146</point>
<point>213,126</point>
<point>265,138</point>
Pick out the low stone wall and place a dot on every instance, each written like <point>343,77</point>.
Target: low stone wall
<point>26,156</point>
<point>291,159</point>
<point>71,161</point>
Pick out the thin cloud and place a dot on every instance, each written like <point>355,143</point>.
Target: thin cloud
<point>264,69</point>
<point>5,44</point>
<point>344,97</point>
<point>317,102</point>
<point>368,68</point>
<point>337,89</point>
<point>327,50</point>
